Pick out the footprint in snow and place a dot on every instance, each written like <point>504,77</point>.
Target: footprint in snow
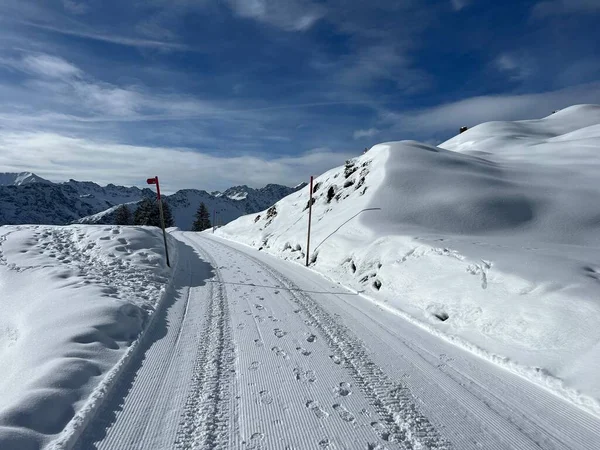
<point>280,352</point>
<point>381,430</point>
<point>336,359</point>
<point>311,338</point>
<point>279,333</point>
<point>254,365</point>
<point>324,443</point>
<point>255,441</point>
<point>314,406</point>
<point>265,397</point>
<point>259,306</point>
<point>345,415</point>
<point>303,351</point>
<point>343,390</point>
<point>305,375</point>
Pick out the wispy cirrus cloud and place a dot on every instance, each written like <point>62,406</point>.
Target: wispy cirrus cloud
<point>370,132</point>
<point>290,15</point>
<point>49,66</point>
<point>457,5</point>
<point>516,67</point>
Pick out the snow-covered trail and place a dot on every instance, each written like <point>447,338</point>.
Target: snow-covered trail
<point>258,353</point>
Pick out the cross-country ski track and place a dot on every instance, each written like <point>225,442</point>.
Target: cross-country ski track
<point>252,352</point>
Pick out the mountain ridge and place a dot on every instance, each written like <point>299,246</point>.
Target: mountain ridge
<point>26,198</point>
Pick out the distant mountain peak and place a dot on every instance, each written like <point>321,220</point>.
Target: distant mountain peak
<point>20,179</point>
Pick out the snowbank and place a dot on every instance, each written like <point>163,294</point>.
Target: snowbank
<point>491,240</point>
<point>73,300</point>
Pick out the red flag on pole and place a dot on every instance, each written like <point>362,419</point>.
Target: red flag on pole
<point>151,181</point>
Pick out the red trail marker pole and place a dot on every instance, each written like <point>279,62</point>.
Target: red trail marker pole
<point>309,220</point>
<point>162,216</point>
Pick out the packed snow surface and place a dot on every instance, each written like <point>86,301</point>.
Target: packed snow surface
<point>252,352</point>
<point>73,300</point>
<point>491,240</point>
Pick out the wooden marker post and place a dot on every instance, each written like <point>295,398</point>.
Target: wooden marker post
<point>162,217</point>
<point>310,202</point>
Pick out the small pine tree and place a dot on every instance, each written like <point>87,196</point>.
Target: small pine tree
<point>122,215</point>
<point>202,221</point>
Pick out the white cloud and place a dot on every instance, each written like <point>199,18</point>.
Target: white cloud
<point>112,37</point>
<point>457,5</point>
<point>289,15</point>
<point>559,7</point>
<point>59,157</point>
<point>358,134</point>
<point>515,66</point>
<point>50,66</point>
<point>475,110</point>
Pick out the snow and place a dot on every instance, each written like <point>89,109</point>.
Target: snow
<point>238,196</point>
<point>489,240</point>
<point>74,299</point>
<point>250,351</point>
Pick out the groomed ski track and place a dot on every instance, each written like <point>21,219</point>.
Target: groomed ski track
<point>252,352</point>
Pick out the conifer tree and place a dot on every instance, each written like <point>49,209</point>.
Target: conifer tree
<point>122,215</point>
<point>147,213</point>
<point>143,213</point>
<point>202,221</point>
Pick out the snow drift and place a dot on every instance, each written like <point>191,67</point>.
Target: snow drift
<point>73,300</point>
<point>491,240</point>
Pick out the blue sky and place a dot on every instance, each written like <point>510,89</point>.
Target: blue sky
<point>211,93</point>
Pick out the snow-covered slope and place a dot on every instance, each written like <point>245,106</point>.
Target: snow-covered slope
<point>491,240</point>
<point>19,179</point>
<point>73,301</point>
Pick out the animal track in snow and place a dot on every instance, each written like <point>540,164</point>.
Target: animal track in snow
<point>254,365</point>
<point>303,351</point>
<point>311,338</point>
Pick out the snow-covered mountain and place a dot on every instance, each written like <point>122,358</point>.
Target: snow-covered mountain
<point>258,199</point>
<point>59,203</point>
<point>491,239</point>
<point>26,198</point>
<point>19,179</point>
<point>223,206</point>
